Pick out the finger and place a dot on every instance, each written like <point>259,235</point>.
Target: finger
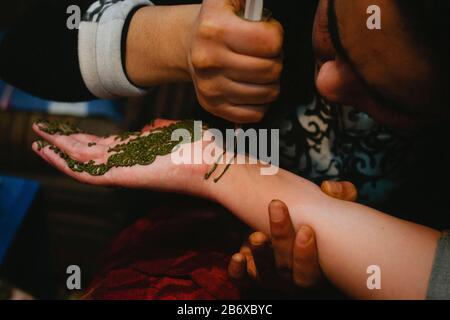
<point>306,268</point>
<point>258,39</point>
<point>60,164</point>
<point>250,94</point>
<point>252,272</point>
<point>249,69</point>
<point>263,257</point>
<point>238,67</point>
<point>282,236</point>
<point>237,268</point>
<point>73,146</point>
<point>340,190</point>
<point>235,92</point>
<point>240,114</point>
<point>158,123</point>
<point>220,21</point>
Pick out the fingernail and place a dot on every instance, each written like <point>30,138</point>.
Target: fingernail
<point>276,212</point>
<point>332,187</point>
<point>237,258</point>
<point>258,239</point>
<point>304,236</point>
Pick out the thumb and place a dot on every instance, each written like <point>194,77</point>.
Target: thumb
<point>225,5</point>
<point>236,5</point>
<point>306,269</point>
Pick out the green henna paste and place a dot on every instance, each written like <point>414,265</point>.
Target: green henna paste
<point>41,144</point>
<point>216,164</point>
<point>139,150</point>
<point>62,128</point>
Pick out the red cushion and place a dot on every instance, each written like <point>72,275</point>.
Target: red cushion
<point>173,255</point>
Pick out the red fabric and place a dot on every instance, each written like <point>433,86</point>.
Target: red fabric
<point>176,255</point>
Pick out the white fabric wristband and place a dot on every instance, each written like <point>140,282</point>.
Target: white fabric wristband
<point>100,48</point>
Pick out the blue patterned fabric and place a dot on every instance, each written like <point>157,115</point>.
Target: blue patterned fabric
<point>330,142</point>
<point>14,99</point>
<point>16,198</point>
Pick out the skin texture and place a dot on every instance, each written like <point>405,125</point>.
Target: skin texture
<point>349,237</point>
<point>286,261</point>
<point>157,43</point>
<point>389,61</point>
<point>235,64</point>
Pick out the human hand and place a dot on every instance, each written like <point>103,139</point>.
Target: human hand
<point>235,64</point>
<point>287,261</point>
<point>163,174</point>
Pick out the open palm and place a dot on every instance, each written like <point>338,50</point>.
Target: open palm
<point>161,175</point>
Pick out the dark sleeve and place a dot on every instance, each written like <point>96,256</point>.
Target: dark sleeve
<point>439,286</point>
<point>39,54</point>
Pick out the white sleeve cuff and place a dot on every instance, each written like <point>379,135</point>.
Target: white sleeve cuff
<point>100,48</point>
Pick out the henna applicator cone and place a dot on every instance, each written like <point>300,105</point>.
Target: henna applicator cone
<point>254,10</point>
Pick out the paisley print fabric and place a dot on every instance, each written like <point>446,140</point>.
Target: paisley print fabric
<point>331,142</point>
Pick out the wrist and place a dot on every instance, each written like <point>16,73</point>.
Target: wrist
<point>245,191</point>
<point>157,44</point>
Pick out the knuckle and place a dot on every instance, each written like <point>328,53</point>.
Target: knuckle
<point>273,71</point>
<point>275,45</point>
<point>299,258</point>
<point>210,28</point>
<point>280,234</point>
<point>206,90</point>
<point>201,59</point>
<point>277,70</point>
<point>272,94</point>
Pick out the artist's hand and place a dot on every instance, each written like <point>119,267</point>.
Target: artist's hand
<point>163,174</point>
<point>287,261</point>
<point>235,64</point>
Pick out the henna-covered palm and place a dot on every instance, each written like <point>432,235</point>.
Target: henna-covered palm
<point>162,174</point>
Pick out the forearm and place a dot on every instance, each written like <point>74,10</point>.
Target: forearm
<point>350,237</point>
<point>156,45</point>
